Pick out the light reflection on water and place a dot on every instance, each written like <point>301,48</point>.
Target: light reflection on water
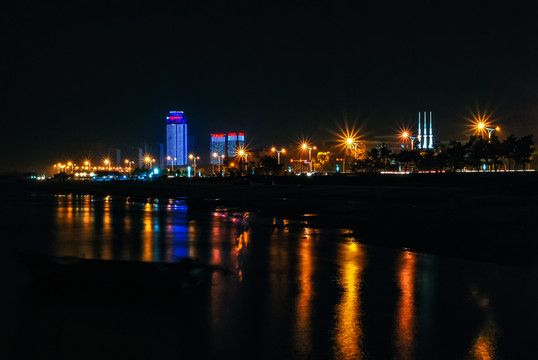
<point>348,330</point>
<point>305,271</point>
<point>484,344</point>
<point>304,298</point>
<point>405,312</point>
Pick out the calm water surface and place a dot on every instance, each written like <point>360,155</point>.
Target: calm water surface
<point>296,291</point>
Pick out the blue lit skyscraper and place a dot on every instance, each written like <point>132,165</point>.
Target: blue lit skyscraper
<point>176,139</point>
<point>235,141</point>
<point>218,148</point>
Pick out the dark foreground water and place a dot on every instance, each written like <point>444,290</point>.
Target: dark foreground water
<point>296,291</point>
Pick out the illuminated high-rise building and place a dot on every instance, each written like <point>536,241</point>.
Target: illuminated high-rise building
<point>235,141</point>
<point>425,132</point>
<point>176,139</point>
<point>218,148</point>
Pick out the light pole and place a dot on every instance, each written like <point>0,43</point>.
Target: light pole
<point>245,154</point>
<point>128,162</point>
<point>194,158</point>
<point>351,144</point>
<point>147,160</point>
<point>490,130</point>
<point>215,157</point>
<point>107,163</point>
<point>305,146</point>
<point>405,135</point>
<point>169,158</point>
<point>283,151</point>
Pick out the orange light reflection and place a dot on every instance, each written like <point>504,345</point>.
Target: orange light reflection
<point>348,331</point>
<point>304,299</point>
<point>485,343</point>
<point>405,312</point>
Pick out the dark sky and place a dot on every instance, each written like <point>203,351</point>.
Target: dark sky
<point>82,76</point>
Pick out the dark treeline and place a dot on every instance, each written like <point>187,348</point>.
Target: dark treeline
<point>477,154</point>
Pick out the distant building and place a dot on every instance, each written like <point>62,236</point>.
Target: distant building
<point>218,147</point>
<point>425,133</point>
<point>235,141</point>
<point>176,139</point>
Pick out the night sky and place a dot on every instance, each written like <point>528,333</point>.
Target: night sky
<point>82,76</point>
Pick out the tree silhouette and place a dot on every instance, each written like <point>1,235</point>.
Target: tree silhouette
<point>408,158</point>
<point>508,149</point>
<point>456,155</point>
<point>523,151</point>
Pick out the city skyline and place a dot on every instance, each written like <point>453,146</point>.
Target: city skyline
<point>270,70</point>
<point>226,145</point>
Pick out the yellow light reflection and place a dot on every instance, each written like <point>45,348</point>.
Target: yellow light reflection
<point>75,226</point>
<point>147,234</point>
<point>106,238</point>
<point>87,222</point>
<point>405,311</point>
<point>485,343</point>
<point>348,331</point>
<point>70,209</point>
<point>192,236</point>
<point>304,300</point>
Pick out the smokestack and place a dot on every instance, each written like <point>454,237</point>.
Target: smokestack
<point>425,132</point>
<point>419,136</point>
<point>431,131</point>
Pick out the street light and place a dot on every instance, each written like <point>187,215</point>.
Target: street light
<point>169,158</point>
<point>107,163</point>
<point>406,135</point>
<point>129,163</point>
<point>283,151</point>
<point>350,143</point>
<point>215,158</point>
<point>490,130</point>
<point>242,153</point>
<point>305,146</point>
<point>481,123</point>
<point>147,160</point>
<point>194,158</point>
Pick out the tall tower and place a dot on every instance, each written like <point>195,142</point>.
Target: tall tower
<point>425,132</point>
<point>176,138</point>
